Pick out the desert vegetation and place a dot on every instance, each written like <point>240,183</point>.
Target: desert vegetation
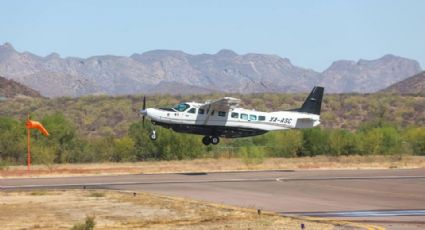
<point>108,129</point>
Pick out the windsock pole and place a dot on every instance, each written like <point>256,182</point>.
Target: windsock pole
<point>28,145</point>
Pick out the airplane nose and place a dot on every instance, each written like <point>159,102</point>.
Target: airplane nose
<point>143,112</point>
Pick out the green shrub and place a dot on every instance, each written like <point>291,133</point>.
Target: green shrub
<point>251,154</point>
<point>415,138</point>
<point>87,225</point>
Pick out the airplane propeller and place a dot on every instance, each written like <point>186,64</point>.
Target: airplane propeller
<point>143,111</point>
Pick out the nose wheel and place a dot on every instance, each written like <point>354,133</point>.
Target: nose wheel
<point>152,135</point>
<point>210,140</point>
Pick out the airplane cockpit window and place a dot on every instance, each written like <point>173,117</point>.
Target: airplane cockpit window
<point>192,110</point>
<point>182,107</point>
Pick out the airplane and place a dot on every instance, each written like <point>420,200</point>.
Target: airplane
<point>224,118</point>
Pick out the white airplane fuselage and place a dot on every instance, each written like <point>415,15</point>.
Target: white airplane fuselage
<point>234,118</point>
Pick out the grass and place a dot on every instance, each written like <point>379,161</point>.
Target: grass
<point>88,224</point>
<point>96,194</point>
<point>220,164</point>
<point>38,193</point>
<point>71,209</point>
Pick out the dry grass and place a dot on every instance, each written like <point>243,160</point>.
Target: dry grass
<point>222,164</point>
<point>61,209</point>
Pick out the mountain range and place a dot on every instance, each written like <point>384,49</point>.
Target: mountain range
<point>176,72</point>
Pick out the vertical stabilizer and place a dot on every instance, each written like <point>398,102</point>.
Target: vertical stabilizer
<point>313,103</point>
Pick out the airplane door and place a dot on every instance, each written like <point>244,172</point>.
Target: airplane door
<point>190,114</point>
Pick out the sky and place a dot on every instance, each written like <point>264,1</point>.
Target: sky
<point>311,33</point>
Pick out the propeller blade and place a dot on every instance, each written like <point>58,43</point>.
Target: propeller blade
<point>144,102</point>
<point>143,121</point>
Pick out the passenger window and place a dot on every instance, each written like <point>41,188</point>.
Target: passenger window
<point>221,114</point>
<point>261,118</point>
<point>244,116</point>
<point>212,113</point>
<point>252,117</point>
<point>235,115</point>
<point>201,111</point>
<point>192,110</point>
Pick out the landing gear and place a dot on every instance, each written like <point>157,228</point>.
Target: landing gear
<point>152,135</point>
<point>210,140</point>
<point>214,140</point>
<point>206,140</point>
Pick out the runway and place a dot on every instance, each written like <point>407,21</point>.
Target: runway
<point>392,198</point>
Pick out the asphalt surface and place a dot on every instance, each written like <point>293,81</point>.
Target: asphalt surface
<point>393,198</point>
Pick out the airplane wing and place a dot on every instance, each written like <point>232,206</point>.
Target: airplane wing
<point>223,104</point>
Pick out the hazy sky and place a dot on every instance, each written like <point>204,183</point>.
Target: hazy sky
<point>311,34</point>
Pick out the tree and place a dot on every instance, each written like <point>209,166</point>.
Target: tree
<point>315,142</point>
<point>144,147</point>
<point>63,139</point>
<point>391,140</point>
<point>343,142</point>
<point>123,149</point>
<point>13,140</point>
<point>286,143</point>
<point>371,141</point>
<point>415,137</point>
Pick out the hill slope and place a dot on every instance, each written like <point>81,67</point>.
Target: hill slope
<point>411,85</point>
<point>10,88</point>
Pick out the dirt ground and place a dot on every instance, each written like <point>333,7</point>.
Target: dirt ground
<point>216,165</point>
<point>62,209</point>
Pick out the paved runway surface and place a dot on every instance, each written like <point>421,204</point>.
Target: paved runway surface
<point>392,198</point>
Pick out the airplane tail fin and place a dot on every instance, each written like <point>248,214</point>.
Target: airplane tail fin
<point>313,103</point>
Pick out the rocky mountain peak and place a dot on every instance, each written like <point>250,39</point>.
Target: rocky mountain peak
<point>53,55</point>
<point>226,53</point>
<point>7,46</point>
<point>6,50</point>
<point>164,53</point>
<point>341,65</point>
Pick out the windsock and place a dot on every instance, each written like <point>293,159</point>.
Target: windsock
<point>30,124</point>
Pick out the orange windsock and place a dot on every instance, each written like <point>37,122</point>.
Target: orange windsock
<point>36,125</point>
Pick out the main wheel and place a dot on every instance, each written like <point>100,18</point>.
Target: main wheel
<point>214,140</point>
<point>206,140</point>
